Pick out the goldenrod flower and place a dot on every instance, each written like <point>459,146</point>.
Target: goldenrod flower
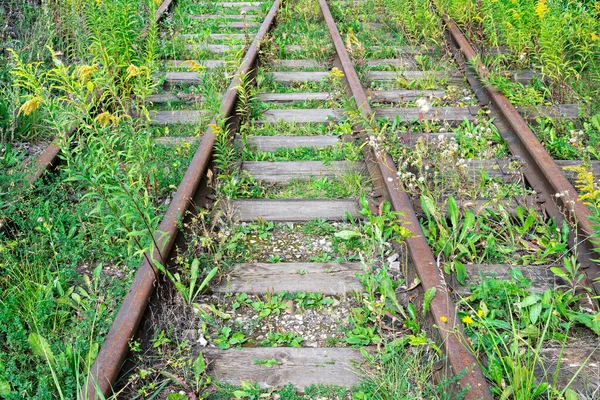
<point>194,66</point>
<point>30,105</point>
<point>336,72</point>
<point>133,71</point>
<point>467,320</point>
<point>106,118</point>
<point>215,128</point>
<point>85,71</point>
<point>541,9</point>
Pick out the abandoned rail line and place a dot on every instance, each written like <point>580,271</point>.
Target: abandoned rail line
<point>333,102</point>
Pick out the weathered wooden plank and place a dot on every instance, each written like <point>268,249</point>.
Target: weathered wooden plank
<point>522,76</point>
<point>175,140</point>
<point>376,25</point>
<point>575,163</point>
<point>326,278</point>
<point>298,63</point>
<point>177,117</point>
<point>300,367</point>
<point>284,171</point>
<point>191,63</point>
<point>402,95</point>
<point>454,77</point>
<point>568,111</point>
<point>272,143</point>
<point>240,3</point>
<point>214,36</point>
<point>175,78</point>
<point>242,24</point>
<point>449,114</point>
<point>229,36</point>
<point>567,362</point>
<point>392,62</point>
<point>218,16</point>
<point>230,4</point>
<point>317,76</point>
<point>213,48</point>
<point>540,276</point>
<point>298,76</point>
<point>174,98</point>
<point>294,209</point>
<point>480,206</point>
<point>300,116</point>
<point>293,47</point>
<point>291,97</point>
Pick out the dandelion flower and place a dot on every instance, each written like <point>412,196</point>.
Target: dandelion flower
<point>444,319</point>
<point>30,105</point>
<point>467,320</point>
<point>480,313</point>
<point>594,37</point>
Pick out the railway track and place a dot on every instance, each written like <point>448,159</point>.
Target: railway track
<point>293,123</point>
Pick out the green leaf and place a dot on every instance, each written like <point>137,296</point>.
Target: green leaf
<point>534,312</point>
<point>428,206</point>
<point>559,272</point>
<point>453,211</point>
<point>237,338</point>
<point>571,395</point>
<point>199,366</point>
<point>41,347</point>
<point>461,272</point>
<point>240,393</point>
<point>176,396</point>
<point>429,295</point>
<point>4,387</point>
<point>417,340</point>
<point>346,234</point>
<point>530,300</point>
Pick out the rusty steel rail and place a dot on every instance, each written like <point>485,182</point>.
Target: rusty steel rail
<point>160,11</point>
<point>49,157</point>
<point>443,309</point>
<point>107,365</point>
<point>542,173</point>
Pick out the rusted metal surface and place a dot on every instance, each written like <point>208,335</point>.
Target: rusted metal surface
<point>443,310</point>
<point>108,363</point>
<point>48,158</point>
<point>158,15</point>
<point>542,173</point>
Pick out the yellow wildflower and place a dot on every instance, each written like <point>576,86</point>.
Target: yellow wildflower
<point>216,129</point>
<point>106,118</point>
<point>194,66</point>
<point>444,319</point>
<point>594,37</point>
<point>85,71</point>
<point>541,9</point>
<point>30,105</point>
<point>480,313</point>
<point>336,73</point>
<point>467,320</point>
